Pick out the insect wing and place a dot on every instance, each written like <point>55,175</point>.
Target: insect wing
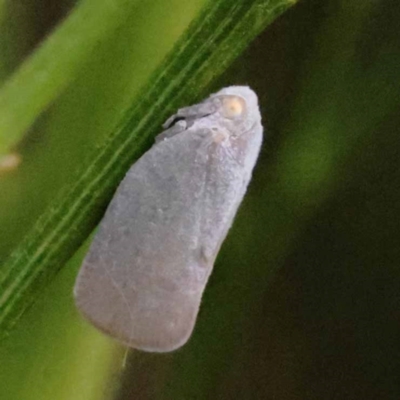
<point>144,275</point>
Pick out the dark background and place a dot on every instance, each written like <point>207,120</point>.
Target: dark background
<point>326,323</point>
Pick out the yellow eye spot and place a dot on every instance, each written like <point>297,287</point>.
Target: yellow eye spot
<point>233,106</point>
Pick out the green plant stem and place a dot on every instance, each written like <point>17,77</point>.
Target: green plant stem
<point>43,76</point>
<point>220,32</point>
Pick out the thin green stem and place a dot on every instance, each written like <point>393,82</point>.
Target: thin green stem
<point>219,33</point>
<point>43,76</point>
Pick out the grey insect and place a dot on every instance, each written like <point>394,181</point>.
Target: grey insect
<point>144,275</point>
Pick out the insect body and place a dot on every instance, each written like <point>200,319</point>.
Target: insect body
<point>144,275</point>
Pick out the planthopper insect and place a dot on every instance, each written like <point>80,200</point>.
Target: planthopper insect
<point>144,275</point>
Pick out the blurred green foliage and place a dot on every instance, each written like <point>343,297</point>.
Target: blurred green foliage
<point>304,300</point>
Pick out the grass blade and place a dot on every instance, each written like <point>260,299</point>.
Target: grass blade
<point>220,32</point>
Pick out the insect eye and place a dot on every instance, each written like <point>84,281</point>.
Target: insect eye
<point>233,106</point>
